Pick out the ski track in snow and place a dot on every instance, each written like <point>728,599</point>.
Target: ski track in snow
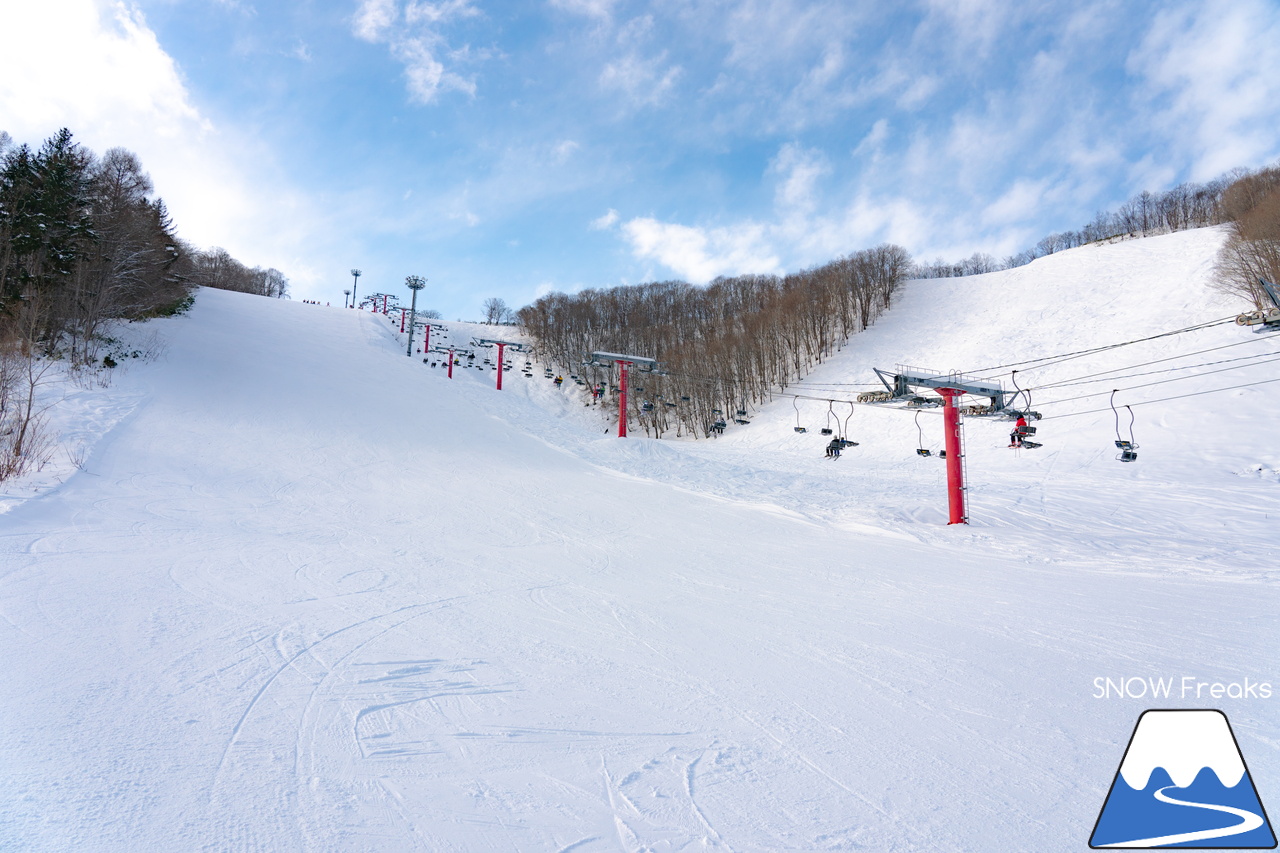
<point>308,594</point>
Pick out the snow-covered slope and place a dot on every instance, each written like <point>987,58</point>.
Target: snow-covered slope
<point>312,595</point>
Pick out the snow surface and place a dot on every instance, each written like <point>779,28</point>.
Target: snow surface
<point>309,594</point>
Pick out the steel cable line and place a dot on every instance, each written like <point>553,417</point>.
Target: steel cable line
<point>1086,380</point>
<point>1162,381</point>
<point>1158,360</point>
<point>1165,399</point>
<point>1055,359</point>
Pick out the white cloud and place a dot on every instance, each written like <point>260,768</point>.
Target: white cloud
<point>701,254</point>
<point>413,35</point>
<point>799,170</point>
<point>1017,204</point>
<point>918,91</point>
<point>375,18</point>
<point>111,71</point>
<point>606,221</point>
<point>644,80</point>
<point>601,9</point>
<point>1213,81</point>
<point>871,144</point>
<point>114,85</point>
<point>564,149</point>
<point>973,26</point>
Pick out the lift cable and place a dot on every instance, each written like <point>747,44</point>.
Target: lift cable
<point>1107,377</point>
<point>1165,399</point>
<point>1162,381</point>
<point>1045,361</point>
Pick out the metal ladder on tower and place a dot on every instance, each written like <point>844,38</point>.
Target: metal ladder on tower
<point>964,466</point>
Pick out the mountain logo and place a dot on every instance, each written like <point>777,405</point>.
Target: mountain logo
<point>1183,783</point>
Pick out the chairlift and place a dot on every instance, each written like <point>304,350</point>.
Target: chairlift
<point>684,399</point>
<point>795,402</point>
<point>1128,447</point>
<point>844,433</point>
<point>1019,438</point>
<point>921,450</point>
<point>827,430</point>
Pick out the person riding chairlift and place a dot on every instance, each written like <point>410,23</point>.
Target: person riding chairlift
<point>1015,437</point>
<point>833,449</point>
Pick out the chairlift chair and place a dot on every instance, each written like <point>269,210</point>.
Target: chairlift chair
<point>844,433</point>
<point>1128,447</point>
<point>795,402</point>
<point>921,450</point>
<point>827,430</point>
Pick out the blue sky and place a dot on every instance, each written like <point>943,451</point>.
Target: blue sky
<point>509,149</point>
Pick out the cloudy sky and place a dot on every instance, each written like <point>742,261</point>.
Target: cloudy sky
<point>513,148</point>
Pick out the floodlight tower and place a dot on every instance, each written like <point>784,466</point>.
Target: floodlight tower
<point>414,283</point>
<point>346,295</point>
<point>624,362</point>
<point>355,276</point>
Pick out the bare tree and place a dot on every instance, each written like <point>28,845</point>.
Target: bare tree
<point>495,310</point>
<point>1252,249</point>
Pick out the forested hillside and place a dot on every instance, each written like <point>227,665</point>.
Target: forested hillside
<point>84,242</point>
<point>722,347</point>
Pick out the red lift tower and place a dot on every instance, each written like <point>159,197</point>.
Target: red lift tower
<point>502,346</point>
<point>950,386</point>
<point>624,362</point>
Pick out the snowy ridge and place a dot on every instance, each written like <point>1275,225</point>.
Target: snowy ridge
<point>1183,743</point>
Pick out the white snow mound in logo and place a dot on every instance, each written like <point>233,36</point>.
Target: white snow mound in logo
<point>1183,743</point>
